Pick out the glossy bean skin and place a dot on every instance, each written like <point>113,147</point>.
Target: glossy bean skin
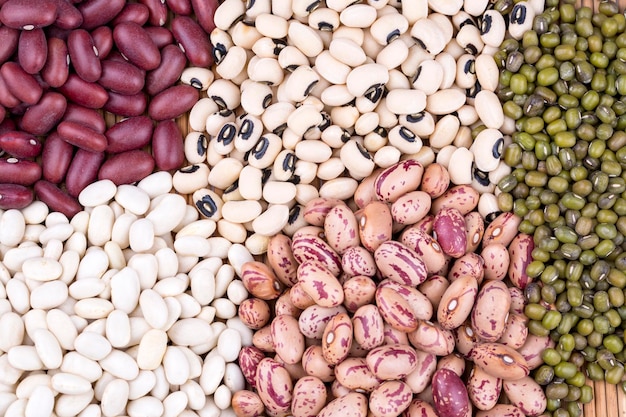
<point>161,36</point>
<point>7,99</point>
<point>461,197</point>
<point>99,12</point>
<point>84,57</point>
<point>457,302</point>
<point>167,146</point>
<point>280,258</point>
<point>103,40</point>
<point>337,339</point>
<point>18,14</point>
<point>121,77</point>
<point>68,16</point>
<point>123,105</point>
<point>288,341</point>
<point>499,360</point>
<point>520,255</point>
<point>316,249</point>
<point>449,229</point>
<point>181,7</point>
<point>398,179</point>
<point>84,115</point>
<point>274,386</point>
<point>56,158</point>
<point>157,11</point>
<point>129,134</point>
<point>32,50</point>
<point>431,338</point>
<point>133,41</point>
<point>56,199</point>
<point>249,358</point>
<point>132,12</point>
<point>14,196</point>
<point>375,225</point>
<point>172,64</point>
<point>8,42</point>
<point>204,11</point>
<point>450,395</point>
<point>193,40</point>
<point>20,144</point>
<point>81,92</point>
<point>353,404</point>
<point>16,171</point>
<point>395,310</point>
<point>56,69</point>
<point>309,396</point>
<point>40,118</point>
<point>483,389</point>
<point>320,284</point>
<point>400,263</point>
<point>83,170</point>
<point>172,102</point>
<point>21,84</point>
<point>247,404</point>
<point>127,167</point>
<point>82,136</point>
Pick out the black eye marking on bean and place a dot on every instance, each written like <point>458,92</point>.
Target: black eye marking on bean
<point>196,83</point>
<point>206,205</point>
<point>311,86</point>
<point>471,49</point>
<point>295,179</point>
<point>232,187</point>
<point>202,145</point>
<point>420,43</point>
<point>294,214</point>
<point>250,4</point>
<point>225,113</point>
<point>325,26</point>
<point>246,129</point>
<point>325,123</point>
<point>417,73</point>
<point>267,101</point>
<point>467,21</point>
<point>261,147</point>
<point>406,134</point>
<point>279,45</point>
<point>393,35</point>
<point>280,129</point>
<point>485,25</point>
<point>219,52</point>
<point>363,151</point>
<point>496,151</point>
<point>313,6</point>
<point>190,169</point>
<point>381,131</point>
<point>289,162</point>
<point>492,216</point>
<point>219,101</point>
<point>415,118</point>
<point>266,175</point>
<point>345,136</point>
<point>481,177</point>
<point>468,68</point>
<point>374,93</point>
<point>227,134</point>
<point>473,90</point>
<point>518,14</point>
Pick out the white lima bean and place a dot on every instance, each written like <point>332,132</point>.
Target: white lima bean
<point>110,313</point>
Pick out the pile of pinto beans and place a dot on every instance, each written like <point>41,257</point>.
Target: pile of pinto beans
<point>262,207</point>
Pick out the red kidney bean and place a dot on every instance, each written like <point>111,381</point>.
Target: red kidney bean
<point>40,118</point>
<point>127,167</point>
<point>83,170</point>
<point>172,102</point>
<point>193,40</point>
<point>103,40</point>
<point>57,69</point>
<point>84,55</point>
<point>19,171</point>
<point>161,36</point>
<point>32,50</point>
<point>205,10</point>
<point>82,136</point>
<point>8,42</point>
<point>86,94</point>
<point>129,134</point>
<point>123,105</point>
<point>172,64</point>
<point>20,144</point>
<point>7,99</point>
<point>158,11</point>
<point>135,44</point>
<point>56,199</point>
<point>86,116</point>
<point>28,14</point>
<point>56,158</point>
<point>68,16</point>
<point>121,77</point>
<point>181,7</point>
<point>167,146</point>
<point>99,12</point>
<point>132,12</point>
<point>6,126</point>
<point>20,83</point>
<point>14,196</point>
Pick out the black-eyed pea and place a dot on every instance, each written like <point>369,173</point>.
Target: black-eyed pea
<point>347,51</point>
<point>271,25</point>
<point>264,153</point>
<point>335,136</point>
<point>488,148</point>
<point>274,386</point>
<point>262,339</point>
<point>429,76</point>
<point>295,220</point>
<point>453,362</point>
<point>228,13</point>
<point>330,169</point>
<point>419,379</point>
<point>280,258</point>
<point>356,159</point>
<point>400,264</point>
<point>520,251</point>
<point>225,173</point>
<point>520,19</point>
<point>250,129</point>
<point>446,131</point>
<point>313,151</point>
<point>387,118</point>
<point>358,16</point>
<point>324,19</point>
<point>232,63</point>
<point>474,230</point>
<point>421,124</point>
<point>497,260</point>
<point>465,71</point>
<point>387,156</point>
<point>284,305</point>
<point>341,188</point>
<point>393,55</point>
<point>300,83</point>
<point>256,97</point>
<point>368,327</point>
<point>470,264</point>
<point>225,138</point>
<point>368,80</point>
<point>320,284</point>
<point>397,180</point>
<point>354,374</point>
<point>483,389</point>
<point>336,95</point>
<point>250,183</point>
<point>430,337</point>
<point>352,404</point>
<point>254,312</point>
<point>499,360</point>
<point>313,320</point>
<point>208,203</point>
<point>429,36</point>
<point>449,231</point>
<point>445,101</point>
<point>460,166</point>
<point>279,192</point>
<point>287,339</point>
<point>395,309</point>
<point>216,120</point>
<point>404,140</point>
<point>461,197</point>
<point>465,339</point>
<point>309,396</point>
<point>420,408</point>
<point>268,47</point>
<point>191,178</point>
<point>433,288</point>
<point>518,301</point>
<point>225,94</point>
<point>501,410</point>
<point>444,155</point>
<point>199,113</point>
<point>469,38</point>
<point>515,332</point>
<point>456,302</point>
<point>290,58</point>
<point>391,398</point>
<point>404,361</point>
<point>337,338</point>
<point>526,394</point>
<point>486,67</point>
<point>304,194</point>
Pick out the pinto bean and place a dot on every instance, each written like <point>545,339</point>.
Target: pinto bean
<point>82,136</point>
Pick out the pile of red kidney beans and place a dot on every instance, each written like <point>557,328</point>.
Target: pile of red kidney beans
<point>86,86</point>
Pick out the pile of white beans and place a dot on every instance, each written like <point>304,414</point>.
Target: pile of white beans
<point>129,309</point>
<point>310,97</point>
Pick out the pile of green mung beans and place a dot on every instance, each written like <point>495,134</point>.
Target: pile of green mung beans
<point>564,84</point>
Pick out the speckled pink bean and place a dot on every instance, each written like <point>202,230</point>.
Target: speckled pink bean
<point>470,264</point>
<point>449,231</point>
<point>83,55</point>
<point>260,280</point>
<point>316,209</point>
<point>375,225</point>
<point>426,247</point>
<point>532,349</point>
<point>83,170</point>
<point>32,50</point>
<point>369,328</point>
<point>450,395</point>
<point>337,338</point>
<point>249,358</point>
<point>502,410</point>
<point>313,320</point>
<point>353,404</point>
<point>127,167</point>
<point>280,258</point>
<point>358,261</point>
<point>358,291</point>
<point>430,337</point>
<point>354,374</point>
<point>526,394</point>
<point>167,146</point>
<point>314,364</point>
<point>518,301</point>
<point>419,379</point>
<point>299,297</point>
<point>172,102</point>
<point>247,404</point>
<point>284,305</point>
<point>86,116</point>
<point>204,11</point>
<point>502,229</point>
<point>411,207</point>
<point>499,360</point>
<point>515,331</point>
<point>288,341</point>
<point>309,397</point>
<point>483,389</point>
<point>461,197</point>
<point>172,64</point>
<point>274,386</point>
<point>193,40</point>
<point>491,310</point>
<point>321,285</point>
<point>390,399</point>
<point>433,288</point>
<point>8,42</point>
<point>99,12</point>
<point>254,313</point>
<point>399,263</point>
<point>398,179</point>
<point>457,302</point>
<point>121,77</point>
<point>316,249</point>
<point>520,253</point>
<point>497,261</point>
<point>341,228</point>
<point>395,310</point>
<point>28,14</point>
<point>103,40</point>
<point>262,339</point>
